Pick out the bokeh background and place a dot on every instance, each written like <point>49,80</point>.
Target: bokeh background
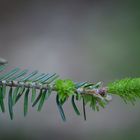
<point>84,40</point>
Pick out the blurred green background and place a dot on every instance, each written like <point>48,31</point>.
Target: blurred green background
<point>83,40</point>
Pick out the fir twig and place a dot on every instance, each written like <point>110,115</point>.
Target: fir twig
<point>43,85</point>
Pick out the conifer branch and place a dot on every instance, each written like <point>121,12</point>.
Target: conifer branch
<point>41,86</point>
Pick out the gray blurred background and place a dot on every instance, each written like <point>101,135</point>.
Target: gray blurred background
<point>83,40</point>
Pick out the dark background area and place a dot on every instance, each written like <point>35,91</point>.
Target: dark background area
<point>82,40</point>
